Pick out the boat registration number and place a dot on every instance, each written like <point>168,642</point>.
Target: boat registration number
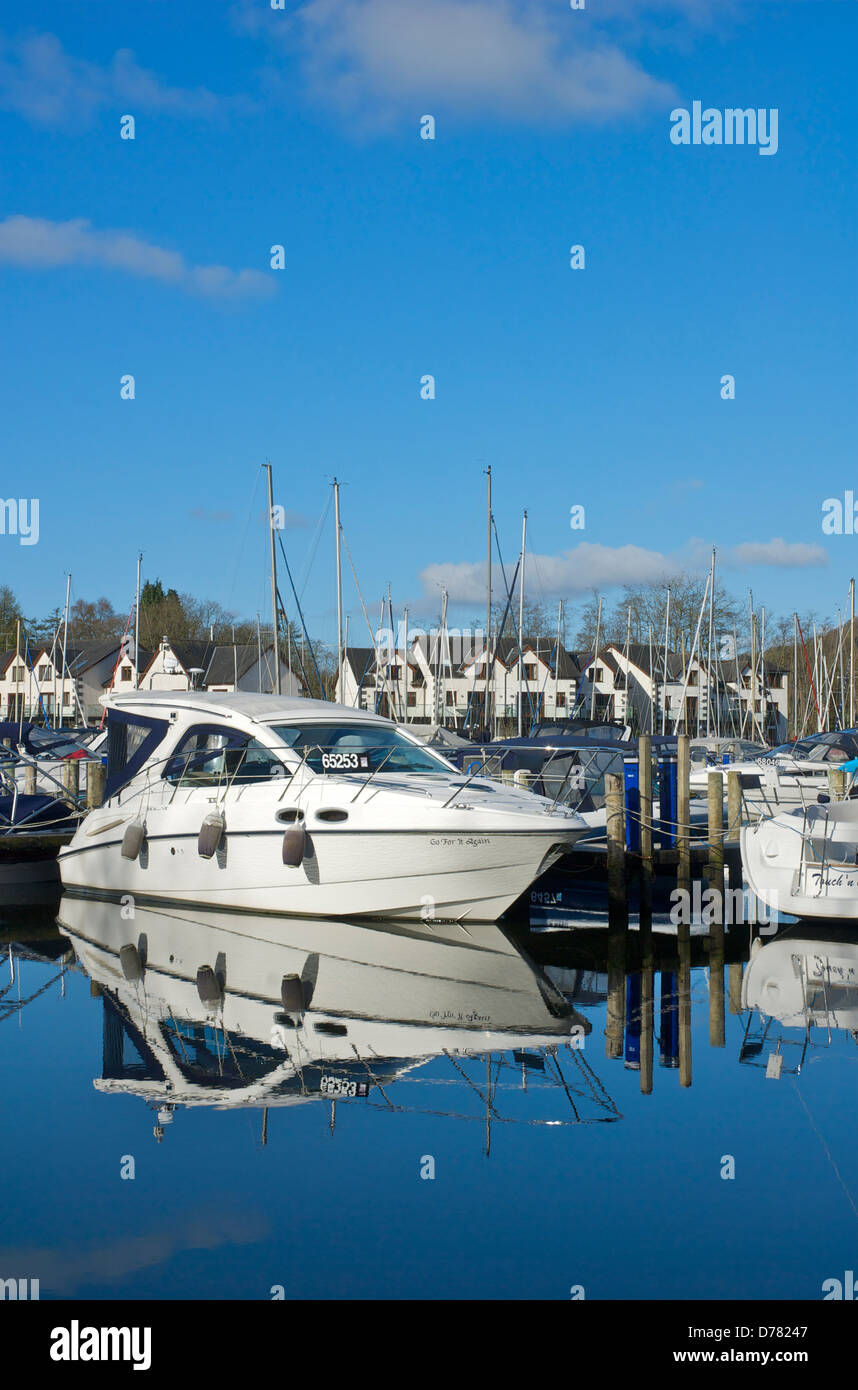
<point>345,762</point>
<point>341,1086</point>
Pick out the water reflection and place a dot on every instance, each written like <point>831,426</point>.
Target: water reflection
<point>806,979</point>
<point>230,1010</point>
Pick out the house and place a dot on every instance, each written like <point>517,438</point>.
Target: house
<point>443,681</point>
<point>642,687</point>
<point>32,687</point>
<point>212,666</point>
<point>102,667</point>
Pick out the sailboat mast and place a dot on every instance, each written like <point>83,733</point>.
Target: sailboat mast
<point>795,674</point>
<point>137,625</point>
<point>851,653</point>
<point>339,592</point>
<point>709,656</point>
<point>65,645</point>
<point>405,665</point>
<point>520,621</point>
<point>652,687</point>
<point>274,616</point>
<point>487,637</point>
<point>557,657</point>
<point>595,662</point>
<point>652,671</point>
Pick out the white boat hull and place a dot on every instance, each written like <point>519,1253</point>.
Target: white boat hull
<point>449,875</point>
<point>806,863</point>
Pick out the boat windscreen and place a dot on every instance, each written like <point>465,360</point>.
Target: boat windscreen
<point>353,747</point>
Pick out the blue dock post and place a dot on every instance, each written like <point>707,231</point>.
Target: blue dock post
<point>633,1022</point>
<point>631,782</point>
<point>668,1038</point>
<point>668,799</point>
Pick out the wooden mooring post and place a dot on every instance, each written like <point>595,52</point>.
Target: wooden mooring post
<point>71,778</point>
<point>715,881</point>
<point>735,987</point>
<point>29,779</point>
<point>732,853</point>
<point>683,882</point>
<point>618,915</point>
<point>645,803</point>
<point>683,811</point>
<point>96,776</point>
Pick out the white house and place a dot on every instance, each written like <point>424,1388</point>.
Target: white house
<point>200,665</point>
<point>33,687</point>
<point>444,682</point>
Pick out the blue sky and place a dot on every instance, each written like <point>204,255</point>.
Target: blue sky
<point>404,256</point>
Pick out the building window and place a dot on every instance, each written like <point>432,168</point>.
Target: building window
<point>394,673</point>
<point>67,697</point>
<point>18,675</point>
<point>44,673</point>
<point>598,674</point>
<point>412,697</point>
<point>451,697</point>
<point>530,673</point>
<point>560,700</point>
<point>126,673</point>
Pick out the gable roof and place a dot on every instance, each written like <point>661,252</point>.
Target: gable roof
<point>81,659</point>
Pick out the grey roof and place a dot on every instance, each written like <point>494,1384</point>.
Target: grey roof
<point>360,661</point>
<point>82,659</point>
<point>638,655</point>
<point>217,661</point>
<point>263,709</point>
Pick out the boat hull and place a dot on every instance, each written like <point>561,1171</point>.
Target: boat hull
<point>800,863</point>
<point>414,874</point>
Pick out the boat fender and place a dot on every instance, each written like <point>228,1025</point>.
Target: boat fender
<point>132,840</point>
<point>132,965</point>
<point>209,987</point>
<point>211,834</point>
<point>292,994</point>
<point>294,846</point>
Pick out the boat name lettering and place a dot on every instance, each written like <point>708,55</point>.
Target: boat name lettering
<point>454,1016</point>
<point>453,842</point>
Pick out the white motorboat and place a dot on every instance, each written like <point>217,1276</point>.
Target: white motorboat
<point>270,804</point>
<point>791,775</point>
<point>805,861</point>
<point>216,1009</point>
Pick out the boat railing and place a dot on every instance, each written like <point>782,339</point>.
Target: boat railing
<point>13,762</point>
<point>230,772</point>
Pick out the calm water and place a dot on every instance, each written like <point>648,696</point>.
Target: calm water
<point>482,1143</point>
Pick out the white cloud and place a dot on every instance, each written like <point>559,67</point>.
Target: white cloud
<point>778,553</point>
<point>377,60</point>
<point>41,244</point>
<point>44,83</point>
<point>590,566</point>
<point>586,567</point>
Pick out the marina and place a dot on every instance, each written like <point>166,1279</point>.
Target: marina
<point>428,679</point>
<point>411,909</point>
